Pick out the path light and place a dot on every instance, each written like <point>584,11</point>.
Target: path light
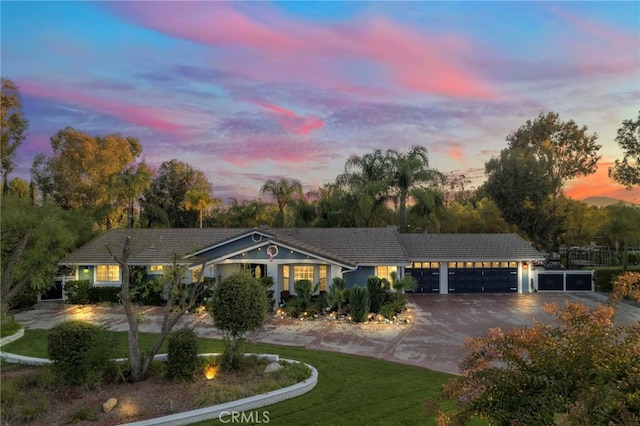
<point>210,371</point>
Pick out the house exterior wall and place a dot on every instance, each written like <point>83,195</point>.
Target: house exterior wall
<point>358,277</point>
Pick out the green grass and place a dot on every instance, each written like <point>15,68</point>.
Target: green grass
<point>351,390</point>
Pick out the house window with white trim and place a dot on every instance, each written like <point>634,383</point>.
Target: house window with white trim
<point>108,273</point>
<point>285,278</point>
<point>155,269</point>
<point>196,274</point>
<point>385,272</point>
<point>322,277</point>
<point>301,272</point>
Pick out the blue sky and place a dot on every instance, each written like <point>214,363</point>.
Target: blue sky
<point>247,91</point>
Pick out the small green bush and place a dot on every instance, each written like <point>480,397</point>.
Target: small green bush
<point>359,304</point>
<point>82,353</point>
<point>103,295</point>
<point>150,292</point>
<point>378,291</point>
<point>24,299</point>
<point>9,326</point>
<point>182,354</point>
<point>77,292</point>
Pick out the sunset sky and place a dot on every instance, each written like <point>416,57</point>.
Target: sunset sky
<point>248,91</point>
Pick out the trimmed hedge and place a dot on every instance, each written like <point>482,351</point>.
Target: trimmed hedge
<point>77,291</point>
<point>82,353</point>
<point>603,277</point>
<point>182,354</point>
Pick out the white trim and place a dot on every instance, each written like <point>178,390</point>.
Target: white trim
<point>230,240</point>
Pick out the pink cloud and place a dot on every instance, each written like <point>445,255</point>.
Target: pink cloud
<point>291,122</point>
<point>455,152</point>
<point>244,153</point>
<point>601,47</point>
<point>141,116</point>
<point>286,50</point>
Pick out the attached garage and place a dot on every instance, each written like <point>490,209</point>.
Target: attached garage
<point>427,274</point>
<point>482,277</point>
<point>470,263</point>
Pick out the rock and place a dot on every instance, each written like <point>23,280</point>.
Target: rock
<point>379,318</point>
<point>108,406</point>
<point>272,368</point>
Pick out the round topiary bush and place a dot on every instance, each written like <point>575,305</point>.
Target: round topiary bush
<point>238,305</point>
<point>182,354</point>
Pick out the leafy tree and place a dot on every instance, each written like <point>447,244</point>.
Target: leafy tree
<point>408,170</point>
<point>168,192</point>
<point>182,298</point>
<point>238,305</point>
<point>428,211</point>
<point>128,185</point>
<point>34,239</point>
<point>563,150</point>
<point>79,174</point>
<point>284,191</point>
<point>627,171</point>
<point>247,213</point>
<point>198,200</point>
<point>19,188</point>
<point>13,127</point>
<point>366,180</point>
<point>583,371</point>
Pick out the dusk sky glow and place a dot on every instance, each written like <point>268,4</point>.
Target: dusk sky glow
<point>248,91</point>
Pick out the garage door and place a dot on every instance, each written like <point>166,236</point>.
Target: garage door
<point>427,274</point>
<point>482,277</point>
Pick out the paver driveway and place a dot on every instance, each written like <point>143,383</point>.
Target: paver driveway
<point>440,325</point>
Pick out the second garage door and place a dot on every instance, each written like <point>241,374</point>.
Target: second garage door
<point>482,277</point>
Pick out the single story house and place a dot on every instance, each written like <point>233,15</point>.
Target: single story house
<point>441,263</point>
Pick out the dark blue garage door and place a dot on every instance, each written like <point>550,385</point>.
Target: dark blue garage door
<point>483,277</point>
<point>427,274</point>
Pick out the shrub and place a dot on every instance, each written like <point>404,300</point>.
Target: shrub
<point>238,305</point>
<point>103,294</point>
<point>359,304</point>
<point>267,282</point>
<point>337,295</point>
<point>378,290</point>
<point>584,371</point>
<point>150,292</point>
<point>182,354</point>
<point>77,291</point>
<point>82,353</point>
<point>604,277</point>
<point>26,298</point>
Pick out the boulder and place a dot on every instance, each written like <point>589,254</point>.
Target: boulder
<point>272,368</point>
<point>108,406</point>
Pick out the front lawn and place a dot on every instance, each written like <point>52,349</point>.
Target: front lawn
<point>351,390</point>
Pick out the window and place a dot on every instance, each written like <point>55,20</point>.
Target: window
<point>285,277</point>
<point>322,272</point>
<point>155,269</point>
<point>303,273</point>
<point>108,273</point>
<point>196,274</point>
<point>385,271</point>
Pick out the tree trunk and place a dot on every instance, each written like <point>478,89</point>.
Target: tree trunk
<point>402,212</point>
<point>8,288</point>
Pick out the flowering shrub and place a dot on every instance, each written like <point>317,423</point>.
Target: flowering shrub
<point>583,370</point>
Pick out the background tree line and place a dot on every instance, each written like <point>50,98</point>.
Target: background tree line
<point>101,182</point>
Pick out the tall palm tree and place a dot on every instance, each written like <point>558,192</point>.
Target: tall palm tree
<point>368,177</point>
<point>283,191</point>
<point>197,200</point>
<point>409,170</point>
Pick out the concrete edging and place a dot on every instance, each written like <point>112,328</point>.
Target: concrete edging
<point>208,413</point>
<point>15,336</point>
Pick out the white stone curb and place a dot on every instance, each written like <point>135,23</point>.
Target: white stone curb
<point>241,405</point>
<point>214,412</point>
<point>8,339</point>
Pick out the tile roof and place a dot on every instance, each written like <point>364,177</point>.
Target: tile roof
<point>348,246</point>
<point>462,247</point>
